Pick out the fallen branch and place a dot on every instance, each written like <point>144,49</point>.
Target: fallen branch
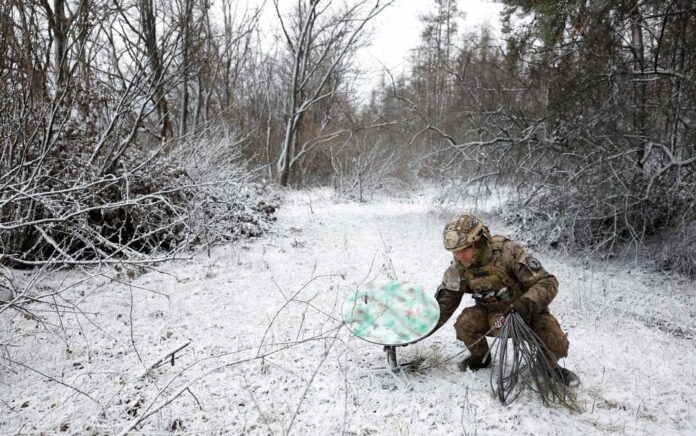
<point>162,360</point>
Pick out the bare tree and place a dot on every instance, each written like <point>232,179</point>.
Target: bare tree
<point>148,27</point>
<point>320,42</point>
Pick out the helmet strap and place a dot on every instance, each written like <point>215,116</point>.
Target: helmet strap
<point>483,252</point>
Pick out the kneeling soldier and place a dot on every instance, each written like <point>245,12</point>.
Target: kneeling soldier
<point>501,278</point>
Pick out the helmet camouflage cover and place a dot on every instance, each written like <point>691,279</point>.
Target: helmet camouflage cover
<point>464,231</point>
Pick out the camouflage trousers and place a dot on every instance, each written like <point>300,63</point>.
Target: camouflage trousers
<point>475,321</point>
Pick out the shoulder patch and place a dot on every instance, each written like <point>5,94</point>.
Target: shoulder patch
<point>533,264</point>
<point>452,279</point>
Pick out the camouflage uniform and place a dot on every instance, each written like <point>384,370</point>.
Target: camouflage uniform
<point>501,274</point>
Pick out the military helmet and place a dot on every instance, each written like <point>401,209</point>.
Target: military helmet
<point>464,231</point>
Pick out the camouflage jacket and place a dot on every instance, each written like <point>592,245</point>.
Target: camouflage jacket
<point>505,274</point>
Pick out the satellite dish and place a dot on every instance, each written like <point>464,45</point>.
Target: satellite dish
<point>392,313</point>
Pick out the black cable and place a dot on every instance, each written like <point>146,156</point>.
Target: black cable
<point>528,365</point>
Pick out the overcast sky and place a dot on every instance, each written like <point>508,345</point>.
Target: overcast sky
<point>397,30</point>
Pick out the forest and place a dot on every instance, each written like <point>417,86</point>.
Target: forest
<point>134,129</point>
<point>205,179</point>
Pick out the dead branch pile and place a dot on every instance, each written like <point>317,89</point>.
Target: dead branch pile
<point>56,206</point>
<point>91,170</point>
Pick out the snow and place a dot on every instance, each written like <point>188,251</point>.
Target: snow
<point>268,354</point>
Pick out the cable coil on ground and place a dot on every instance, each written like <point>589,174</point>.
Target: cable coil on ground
<point>525,362</point>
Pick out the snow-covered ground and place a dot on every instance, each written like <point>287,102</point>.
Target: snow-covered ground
<point>267,353</point>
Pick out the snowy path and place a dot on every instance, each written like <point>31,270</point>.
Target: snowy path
<point>632,342</point>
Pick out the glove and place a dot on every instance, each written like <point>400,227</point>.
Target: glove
<point>524,307</point>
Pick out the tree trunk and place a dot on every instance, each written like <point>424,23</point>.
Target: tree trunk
<point>149,36</point>
<point>639,85</point>
<point>85,70</point>
<point>185,63</point>
<point>675,97</point>
<point>60,25</point>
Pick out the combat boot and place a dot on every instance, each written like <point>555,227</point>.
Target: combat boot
<point>568,377</point>
<point>475,363</point>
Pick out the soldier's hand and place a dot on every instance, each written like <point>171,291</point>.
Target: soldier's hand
<point>524,307</point>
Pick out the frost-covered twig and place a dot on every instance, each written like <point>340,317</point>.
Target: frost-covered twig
<point>151,409</point>
<point>270,324</point>
<point>311,380</point>
<point>256,405</point>
<point>14,362</point>
<point>168,356</point>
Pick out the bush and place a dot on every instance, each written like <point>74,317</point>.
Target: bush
<point>149,204</point>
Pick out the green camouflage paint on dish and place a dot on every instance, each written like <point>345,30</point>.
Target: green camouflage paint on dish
<point>391,313</point>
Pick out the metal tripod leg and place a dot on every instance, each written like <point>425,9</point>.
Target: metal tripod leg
<point>391,357</point>
<point>392,363</point>
<point>393,367</point>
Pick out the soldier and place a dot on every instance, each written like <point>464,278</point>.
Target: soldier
<point>501,278</point>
